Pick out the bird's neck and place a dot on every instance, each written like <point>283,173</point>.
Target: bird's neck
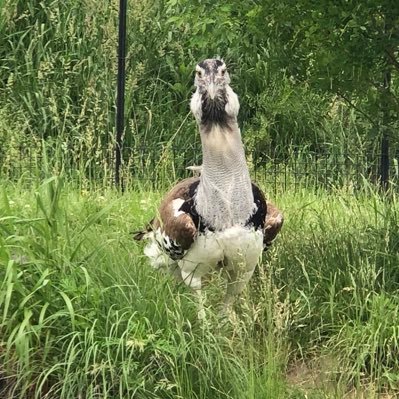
<point>224,196</point>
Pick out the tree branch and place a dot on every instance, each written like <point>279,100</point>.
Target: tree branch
<point>392,59</point>
<point>381,89</point>
<point>355,107</point>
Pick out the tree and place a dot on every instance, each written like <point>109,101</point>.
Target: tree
<point>345,47</point>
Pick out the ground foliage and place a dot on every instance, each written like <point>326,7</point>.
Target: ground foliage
<point>83,315</point>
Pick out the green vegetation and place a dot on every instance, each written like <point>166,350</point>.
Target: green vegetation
<point>307,75</point>
<point>83,315</point>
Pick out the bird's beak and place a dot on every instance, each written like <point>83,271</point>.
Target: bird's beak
<point>212,89</point>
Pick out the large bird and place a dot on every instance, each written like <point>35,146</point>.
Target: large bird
<point>221,218</point>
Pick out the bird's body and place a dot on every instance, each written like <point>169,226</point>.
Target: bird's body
<point>220,219</point>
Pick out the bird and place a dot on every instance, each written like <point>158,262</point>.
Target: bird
<point>218,218</point>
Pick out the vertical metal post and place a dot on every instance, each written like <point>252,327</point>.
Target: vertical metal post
<point>120,99</point>
<point>384,161</point>
<point>386,106</point>
<point>385,136</point>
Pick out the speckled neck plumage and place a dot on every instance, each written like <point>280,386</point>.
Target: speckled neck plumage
<point>224,196</point>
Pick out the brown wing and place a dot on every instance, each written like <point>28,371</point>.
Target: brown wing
<point>174,226</point>
<point>273,223</point>
<point>177,223</point>
<point>267,217</point>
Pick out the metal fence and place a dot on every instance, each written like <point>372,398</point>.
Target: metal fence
<point>156,166</point>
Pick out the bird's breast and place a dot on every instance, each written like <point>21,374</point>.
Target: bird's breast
<point>235,245</point>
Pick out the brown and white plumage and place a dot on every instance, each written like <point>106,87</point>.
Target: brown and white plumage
<point>219,218</point>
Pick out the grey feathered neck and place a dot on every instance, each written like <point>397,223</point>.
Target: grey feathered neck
<point>224,195</point>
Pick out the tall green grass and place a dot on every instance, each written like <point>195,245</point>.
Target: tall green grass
<point>58,72</point>
<point>57,96</point>
<point>83,314</point>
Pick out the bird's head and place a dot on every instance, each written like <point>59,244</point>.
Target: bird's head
<point>211,78</point>
<point>213,101</point>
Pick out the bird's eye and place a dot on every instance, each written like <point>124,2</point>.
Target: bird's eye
<point>199,74</point>
<point>223,71</point>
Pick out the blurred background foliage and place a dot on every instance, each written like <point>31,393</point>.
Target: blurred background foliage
<point>311,74</point>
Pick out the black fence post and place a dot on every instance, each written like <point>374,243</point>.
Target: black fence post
<point>385,136</point>
<point>120,100</point>
<point>384,166</point>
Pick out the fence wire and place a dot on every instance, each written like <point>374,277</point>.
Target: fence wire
<point>156,166</point>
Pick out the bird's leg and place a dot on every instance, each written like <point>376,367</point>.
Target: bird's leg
<point>193,280</point>
<point>174,270</point>
<point>201,308</point>
<point>236,281</point>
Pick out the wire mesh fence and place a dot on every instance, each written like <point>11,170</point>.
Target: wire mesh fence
<point>156,166</point>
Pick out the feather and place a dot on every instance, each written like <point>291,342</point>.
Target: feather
<point>220,218</point>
